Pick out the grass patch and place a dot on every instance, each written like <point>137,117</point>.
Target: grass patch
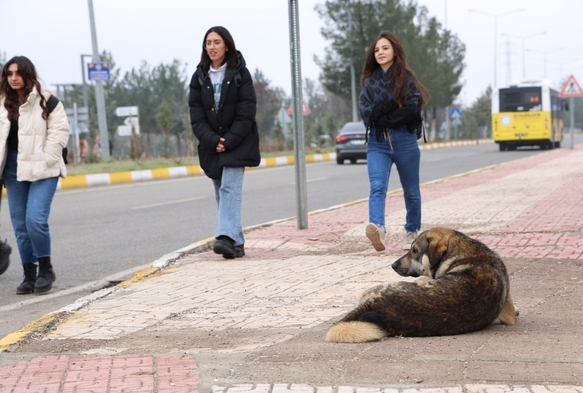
<point>113,166</point>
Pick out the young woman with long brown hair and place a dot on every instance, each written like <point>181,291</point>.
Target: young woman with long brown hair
<point>32,138</point>
<point>223,105</point>
<point>390,102</point>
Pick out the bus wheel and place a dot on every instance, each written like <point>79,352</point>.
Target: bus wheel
<point>502,146</point>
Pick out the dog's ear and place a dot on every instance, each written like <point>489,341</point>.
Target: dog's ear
<point>438,243</point>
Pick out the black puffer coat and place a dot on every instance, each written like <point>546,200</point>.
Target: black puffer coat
<point>235,120</point>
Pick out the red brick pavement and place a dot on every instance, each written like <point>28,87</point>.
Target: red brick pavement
<point>101,374</point>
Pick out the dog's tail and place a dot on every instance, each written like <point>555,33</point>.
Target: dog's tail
<point>354,332</point>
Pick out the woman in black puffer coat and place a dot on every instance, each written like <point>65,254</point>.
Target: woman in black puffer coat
<point>222,112</point>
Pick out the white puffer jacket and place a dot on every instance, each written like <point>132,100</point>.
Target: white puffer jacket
<point>40,141</point>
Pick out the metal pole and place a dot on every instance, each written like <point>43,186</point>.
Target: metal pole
<point>99,97</point>
<point>352,76</point>
<point>353,92</point>
<point>495,51</point>
<point>445,12</point>
<point>572,120</point>
<point>299,144</point>
<point>75,133</point>
<point>523,59</point>
<point>85,99</point>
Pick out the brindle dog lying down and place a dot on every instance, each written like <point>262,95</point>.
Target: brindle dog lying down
<point>467,289</point>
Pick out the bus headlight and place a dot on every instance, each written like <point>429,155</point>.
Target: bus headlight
<point>506,120</point>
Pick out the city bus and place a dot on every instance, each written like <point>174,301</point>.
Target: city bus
<point>527,113</point>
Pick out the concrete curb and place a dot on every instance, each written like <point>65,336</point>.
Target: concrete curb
<point>105,179</point>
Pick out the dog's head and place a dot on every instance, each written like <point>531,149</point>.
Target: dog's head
<point>426,252</point>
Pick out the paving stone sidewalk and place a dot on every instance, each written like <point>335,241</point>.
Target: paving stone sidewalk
<point>256,324</point>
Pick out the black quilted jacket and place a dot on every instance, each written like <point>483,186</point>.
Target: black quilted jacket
<point>235,120</point>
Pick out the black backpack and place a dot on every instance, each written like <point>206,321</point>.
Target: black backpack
<point>52,103</point>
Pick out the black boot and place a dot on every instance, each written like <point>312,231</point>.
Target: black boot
<point>27,285</point>
<point>46,276</point>
<point>5,251</point>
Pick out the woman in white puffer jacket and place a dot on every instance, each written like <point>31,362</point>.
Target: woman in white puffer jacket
<point>33,133</point>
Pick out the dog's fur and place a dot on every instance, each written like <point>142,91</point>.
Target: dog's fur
<point>466,290</point>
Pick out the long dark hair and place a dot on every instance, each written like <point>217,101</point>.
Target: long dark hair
<point>399,69</point>
<point>28,73</point>
<point>231,57</point>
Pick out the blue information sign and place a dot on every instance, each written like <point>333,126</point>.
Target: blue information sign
<point>98,71</point>
<point>455,113</point>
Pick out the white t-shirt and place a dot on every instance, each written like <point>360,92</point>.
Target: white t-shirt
<point>217,77</point>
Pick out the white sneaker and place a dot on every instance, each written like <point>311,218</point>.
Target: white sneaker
<point>408,239</point>
<point>376,234</point>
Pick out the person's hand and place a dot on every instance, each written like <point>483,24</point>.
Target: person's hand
<point>382,109</point>
<point>220,147</point>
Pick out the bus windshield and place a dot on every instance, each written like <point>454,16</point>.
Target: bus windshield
<point>520,99</point>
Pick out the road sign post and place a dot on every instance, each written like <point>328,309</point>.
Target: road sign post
<point>455,114</point>
<point>131,124</point>
<point>571,89</point>
<point>78,118</point>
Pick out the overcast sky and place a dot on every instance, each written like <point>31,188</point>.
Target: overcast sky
<point>54,34</point>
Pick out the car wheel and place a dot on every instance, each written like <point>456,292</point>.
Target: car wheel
<point>340,161</point>
<point>353,160</point>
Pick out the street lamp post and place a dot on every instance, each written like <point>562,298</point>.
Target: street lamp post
<point>545,53</point>
<point>523,38</point>
<point>495,16</point>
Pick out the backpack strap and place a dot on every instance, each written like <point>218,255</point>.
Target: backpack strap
<point>52,103</point>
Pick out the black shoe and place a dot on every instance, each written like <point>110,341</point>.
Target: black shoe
<point>5,251</point>
<point>46,275</point>
<point>239,252</point>
<point>27,286</point>
<point>224,245</point>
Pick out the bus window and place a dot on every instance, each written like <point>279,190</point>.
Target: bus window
<point>520,99</point>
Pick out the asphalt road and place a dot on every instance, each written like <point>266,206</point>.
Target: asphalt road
<point>102,235</point>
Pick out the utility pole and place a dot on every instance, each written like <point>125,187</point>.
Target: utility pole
<point>99,97</point>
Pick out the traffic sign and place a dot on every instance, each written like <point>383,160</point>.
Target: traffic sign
<point>571,88</point>
<point>127,130</point>
<point>123,111</point>
<point>305,107</point>
<point>129,124</point>
<point>455,113</point>
<point>98,71</point>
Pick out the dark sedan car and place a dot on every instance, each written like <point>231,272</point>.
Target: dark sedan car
<point>351,143</point>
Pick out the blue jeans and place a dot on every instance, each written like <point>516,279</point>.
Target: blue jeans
<point>406,156</point>
<point>229,193</point>
<point>30,205</point>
